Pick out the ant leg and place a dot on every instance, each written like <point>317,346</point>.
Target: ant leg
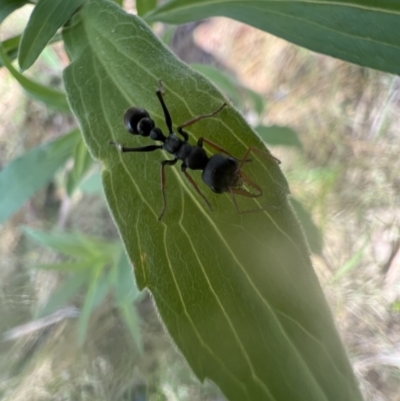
<point>194,185</point>
<point>163,164</point>
<point>183,133</point>
<point>197,118</point>
<point>123,149</point>
<point>215,146</point>
<point>218,148</point>
<point>234,201</point>
<point>263,152</point>
<point>250,182</point>
<point>160,92</point>
<point>238,191</point>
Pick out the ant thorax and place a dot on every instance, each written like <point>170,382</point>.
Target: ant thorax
<point>172,143</point>
<point>193,157</point>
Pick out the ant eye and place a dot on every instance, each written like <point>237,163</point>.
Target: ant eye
<point>132,118</point>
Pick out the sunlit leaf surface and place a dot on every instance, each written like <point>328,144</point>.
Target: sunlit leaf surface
<point>236,291</point>
<point>365,32</point>
<point>46,18</point>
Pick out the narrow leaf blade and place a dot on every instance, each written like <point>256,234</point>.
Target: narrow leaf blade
<point>126,293</point>
<point>125,287</point>
<point>257,100</point>
<point>351,264</point>
<point>9,6</point>
<point>277,135</point>
<point>97,291</point>
<point>222,80</point>
<point>92,184</point>
<point>22,177</point>
<point>145,6</point>
<point>132,320</point>
<point>51,97</point>
<point>74,267</point>
<point>63,294</point>
<point>89,250</point>
<point>72,245</point>
<point>10,47</point>
<point>82,162</point>
<point>231,87</point>
<point>364,32</point>
<point>46,18</point>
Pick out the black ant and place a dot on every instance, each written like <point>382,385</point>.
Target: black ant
<point>221,173</point>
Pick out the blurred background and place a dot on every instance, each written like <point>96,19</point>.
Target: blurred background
<point>334,126</point>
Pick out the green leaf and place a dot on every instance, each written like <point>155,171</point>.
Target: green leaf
<point>82,162</point>
<point>63,293</point>
<point>132,320</point>
<point>22,177</point>
<point>364,32</point>
<point>351,264</point>
<point>237,292</point>
<point>68,244</point>
<point>93,256</point>
<point>125,287</point>
<point>276,135</point>
<point>46,18</point>
<point>168,34</point>
<point>223,81</point>
<point>396,306</point>
<point>92,184</point>
<point>257,100</point>
<point>76,245</point>
<point>103,286</point>
<point>145,6</point>
<point>51,97</point>
<point>9,6</point>
<point>96,292</point>
<point>313,233</point>
<point>231,87</point>
<point>126,292</point>
<point>74,266</point>
<point>10,46</point>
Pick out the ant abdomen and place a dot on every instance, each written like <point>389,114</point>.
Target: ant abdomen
<point>221,173</point>
<point>137,121</point>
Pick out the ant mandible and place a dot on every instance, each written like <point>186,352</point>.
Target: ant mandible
<point>221,173</point>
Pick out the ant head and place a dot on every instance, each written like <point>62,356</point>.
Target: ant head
<point>137,121</point>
